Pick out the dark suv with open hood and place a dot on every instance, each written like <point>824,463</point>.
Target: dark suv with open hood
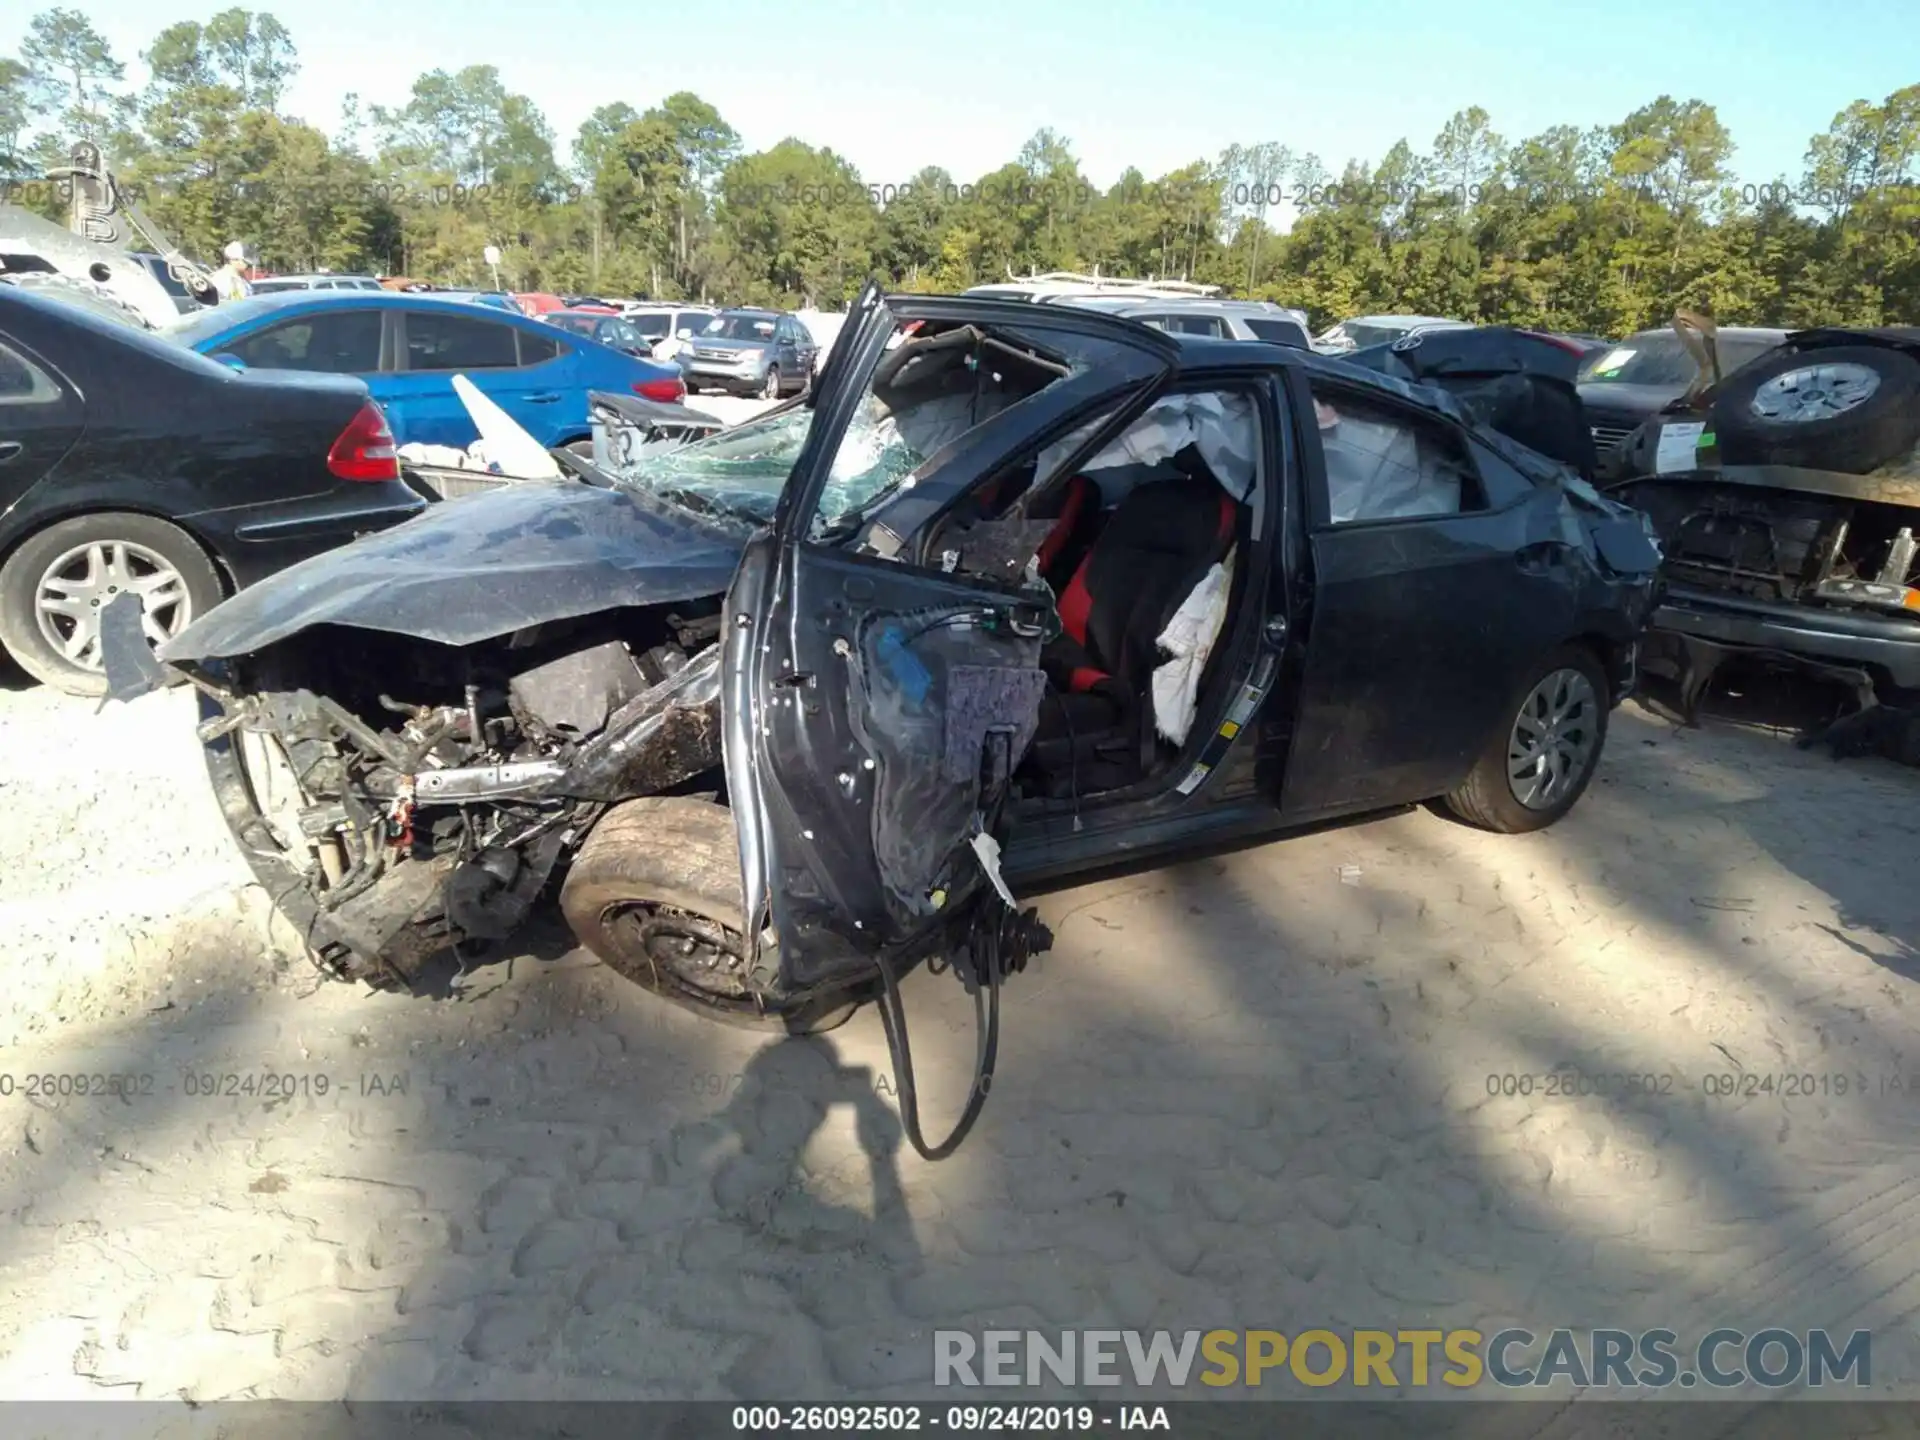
<point>1014,591</point>
<point>1625,385</point>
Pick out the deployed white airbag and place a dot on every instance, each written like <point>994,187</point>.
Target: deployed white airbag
<point>1189,640</point>
<point>1375,471</point>
<point>1221,425</point>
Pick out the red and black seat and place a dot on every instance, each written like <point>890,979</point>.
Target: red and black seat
<point>1096,730</point>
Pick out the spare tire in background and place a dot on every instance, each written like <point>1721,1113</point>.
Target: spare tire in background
<point>1849,408</point>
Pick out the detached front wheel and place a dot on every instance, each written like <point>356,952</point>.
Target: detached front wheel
<point>1542,757</point>
<point>655,893</point>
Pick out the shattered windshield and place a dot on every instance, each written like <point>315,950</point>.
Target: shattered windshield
<point>734,476</point>
<point>933,386</point>
<point>737,475</point>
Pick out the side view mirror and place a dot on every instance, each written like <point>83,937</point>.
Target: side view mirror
<point>229,359</point>
<point>686,335</point>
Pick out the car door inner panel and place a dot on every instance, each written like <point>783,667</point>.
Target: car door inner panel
<point>946,703</point>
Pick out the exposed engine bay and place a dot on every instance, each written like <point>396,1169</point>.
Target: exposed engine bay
<point>423,795</point>
<point>1785,545</point>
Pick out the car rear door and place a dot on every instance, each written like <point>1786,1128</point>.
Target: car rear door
<point>875,704</point>
<point>1441,575</point>
<point>434,346</point>
<point>797,353</point>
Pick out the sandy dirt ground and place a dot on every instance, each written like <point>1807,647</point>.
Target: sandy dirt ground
<point>1245,1092</point>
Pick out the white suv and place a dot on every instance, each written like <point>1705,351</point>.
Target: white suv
<point>668,327</point>
<point>1221,319</point>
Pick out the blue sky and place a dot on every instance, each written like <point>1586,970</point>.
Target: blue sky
<point>894,85</point>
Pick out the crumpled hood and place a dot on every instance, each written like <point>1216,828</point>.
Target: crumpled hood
<point>478,567</point>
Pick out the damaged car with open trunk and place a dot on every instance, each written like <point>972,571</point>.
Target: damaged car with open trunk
<point>1012,595</point>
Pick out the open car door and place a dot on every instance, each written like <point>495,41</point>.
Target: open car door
<point>878,694</point>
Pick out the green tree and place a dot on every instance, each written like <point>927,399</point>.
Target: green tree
<point>801,222</point>
<point>65,55</point>
<point>18,105</point>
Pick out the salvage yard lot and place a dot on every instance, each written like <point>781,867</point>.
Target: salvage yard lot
<point>1249,1091</point>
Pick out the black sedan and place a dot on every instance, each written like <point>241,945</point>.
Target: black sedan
<point>130,464</point>
<point>1013,594</point>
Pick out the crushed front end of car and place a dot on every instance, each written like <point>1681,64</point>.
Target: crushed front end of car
<point>398,797</point>
<point>1787,498</point>
<point>409,734</point>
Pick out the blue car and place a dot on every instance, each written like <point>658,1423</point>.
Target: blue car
<point>408,348</point>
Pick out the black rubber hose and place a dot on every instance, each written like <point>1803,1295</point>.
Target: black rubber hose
<point>986,1017</point>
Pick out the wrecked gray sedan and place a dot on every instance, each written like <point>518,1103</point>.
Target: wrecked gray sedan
<point>1012,595</point>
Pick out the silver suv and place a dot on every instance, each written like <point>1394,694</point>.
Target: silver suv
<point>1222,319</point>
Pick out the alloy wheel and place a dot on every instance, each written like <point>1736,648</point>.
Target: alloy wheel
<point>1815,392</point>
<point>1553,738</point>
<point>79,584</point>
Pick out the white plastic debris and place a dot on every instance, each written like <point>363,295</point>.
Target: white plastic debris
<point>1349,874</point>
<point>507,444</point>
<point>446,456</point>
<point>988,849</point>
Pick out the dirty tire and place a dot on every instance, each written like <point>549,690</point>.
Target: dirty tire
<point>1883,427</point>
<point>1485,798</point>
<point>770,385</point>
<point>675,856</point>
<point>20,579</point>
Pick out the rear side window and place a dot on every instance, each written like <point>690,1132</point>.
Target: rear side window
<point>455,342</point>
<point>537,349</point>
<point>1280,332</point>
<point>339,342</point>
<point>1387,464</point>
<point>1187,324</point>
<point>24,383</point>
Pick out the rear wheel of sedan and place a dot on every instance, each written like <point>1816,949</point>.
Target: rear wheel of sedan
<point>54,586</point>
<point>655,893</point>
<point>1542,756</point>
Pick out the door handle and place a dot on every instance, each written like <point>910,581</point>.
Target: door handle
<point>545,397</point>
<point>10,450</point>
